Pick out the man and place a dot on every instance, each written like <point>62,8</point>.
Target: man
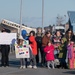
<point>5,52</point>
<point>39,43</point>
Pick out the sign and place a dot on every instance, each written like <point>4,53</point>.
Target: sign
<point>22,52</point>
<point>7,38</point>
<point>26,42</point>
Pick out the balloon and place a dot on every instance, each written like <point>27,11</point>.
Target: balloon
<point>24,34</point>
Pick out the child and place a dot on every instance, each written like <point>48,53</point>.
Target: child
<point>49,50</point>
<point>33,45</point>
<point>20,45</point>
<point>62,53</point>
<point>71,55</point>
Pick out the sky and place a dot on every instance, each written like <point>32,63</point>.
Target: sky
<point>32,11</point>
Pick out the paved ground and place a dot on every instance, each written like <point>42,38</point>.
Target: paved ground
<point>13,69</point>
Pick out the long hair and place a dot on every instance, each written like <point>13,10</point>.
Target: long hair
<point>71,36</point>
<point>32,32</point>
<point>47,32</point>
<point>20,42</point>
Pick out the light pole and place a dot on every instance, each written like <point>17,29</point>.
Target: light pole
<point>42,15</point>
<point>20,18</point>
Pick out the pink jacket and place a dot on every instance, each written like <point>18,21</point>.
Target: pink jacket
<point>49,50</point>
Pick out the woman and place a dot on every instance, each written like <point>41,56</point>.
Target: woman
<point>57,41</point>
<point>45,40</point>
<point>33,45</point>
<point>69,35</point>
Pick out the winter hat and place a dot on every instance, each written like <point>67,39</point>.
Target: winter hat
<point>64,39</point>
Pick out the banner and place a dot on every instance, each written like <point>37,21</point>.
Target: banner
<point>7,38</point>
<point>22,52</point>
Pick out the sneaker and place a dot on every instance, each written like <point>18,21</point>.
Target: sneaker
<point>21,67</point>
<point>24,67</point>
<point>53,67</point>
<point>29,66</point>
<point>1,65</point>
<point>35,67</point>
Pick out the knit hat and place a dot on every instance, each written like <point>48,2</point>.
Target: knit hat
<point>64,39</point>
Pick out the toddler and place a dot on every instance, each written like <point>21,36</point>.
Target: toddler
<point>49,50</point>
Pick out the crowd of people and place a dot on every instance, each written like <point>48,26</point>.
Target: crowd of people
<point>56,50</point>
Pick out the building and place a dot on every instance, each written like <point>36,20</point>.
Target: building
<point>14,27</point>
<point>66,26</point>
<point>71,15</point>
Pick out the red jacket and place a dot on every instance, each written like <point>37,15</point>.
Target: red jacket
<point>33,45</point>
<point>49,50</point>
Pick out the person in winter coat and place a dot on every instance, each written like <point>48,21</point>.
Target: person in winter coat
<point>20,45</point>
<point>70,35</point>
<point>45,40</point>
<point>71,55</point>
<point>49,50</point>
<point>63,53</point>
<point>33,45</point>
<point>57,41</point>
<point>39,44</point>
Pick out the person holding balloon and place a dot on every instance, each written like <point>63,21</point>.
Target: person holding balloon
<point>33,45</point>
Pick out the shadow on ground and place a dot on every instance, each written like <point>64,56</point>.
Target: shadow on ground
<point>14,63</point>
<point>71,72</point>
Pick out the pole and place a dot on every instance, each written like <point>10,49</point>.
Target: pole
<point>42,15</point>
<point>20,18</point>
